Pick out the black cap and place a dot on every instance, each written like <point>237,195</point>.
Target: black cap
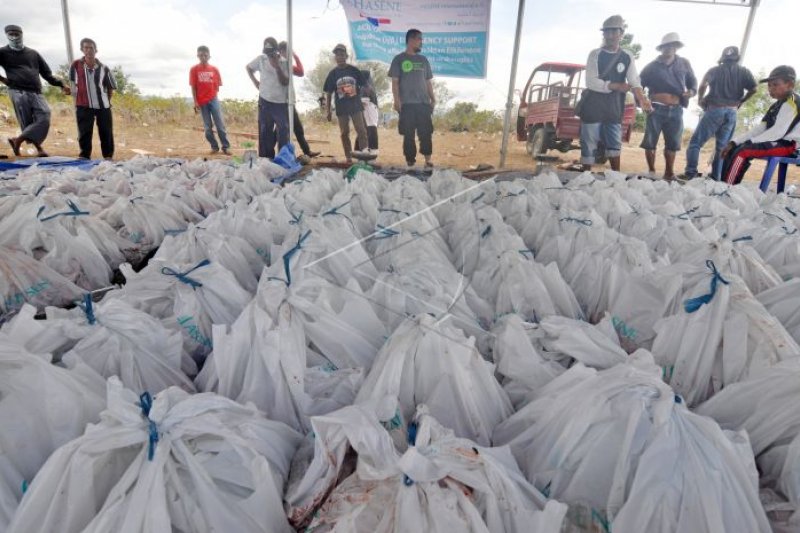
<point>13,27</point>
<point>730,53</point>
<point>341,47</point>
<point>783,72</point>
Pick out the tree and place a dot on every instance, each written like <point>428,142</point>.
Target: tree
<point>754,109</point>
<point>442,93</point>
<point>627,44</point>
<point>123,82</point>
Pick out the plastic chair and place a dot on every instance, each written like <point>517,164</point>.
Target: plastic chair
<point>781,163</point>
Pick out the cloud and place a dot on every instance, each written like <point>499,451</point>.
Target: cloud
<point>155,41</point>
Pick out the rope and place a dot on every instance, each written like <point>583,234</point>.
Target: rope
<point>584,221</point>
<point>411,438</point>
<point>146,402</point>
<point>693,304</point>
<point>73,212</point>
<point>685,215</point>
<point>287,258</point>
<point>184,276</point>
<point>88,308</point>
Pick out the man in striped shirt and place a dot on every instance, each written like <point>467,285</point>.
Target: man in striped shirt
<point>92,86</point>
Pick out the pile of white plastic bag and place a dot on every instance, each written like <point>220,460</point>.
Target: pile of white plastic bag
<point>188,346</point>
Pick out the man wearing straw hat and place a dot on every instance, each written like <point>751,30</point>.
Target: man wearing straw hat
<point>670,82</point>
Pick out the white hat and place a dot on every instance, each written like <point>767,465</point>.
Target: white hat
<point>670,38</point>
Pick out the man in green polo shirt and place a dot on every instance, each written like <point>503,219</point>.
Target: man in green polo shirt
<point>414,99</point>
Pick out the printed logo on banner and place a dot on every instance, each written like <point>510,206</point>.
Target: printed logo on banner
<point>455,34</point>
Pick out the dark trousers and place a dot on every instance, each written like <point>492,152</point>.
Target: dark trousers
<point>372,139</point>
<point>273,123</point>
<point>738,160</point>
<point>416,119</point>
<point>300,134</point>
<point>86,117</point>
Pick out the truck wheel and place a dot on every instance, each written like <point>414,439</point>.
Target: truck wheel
<point>529,140</point>
<point>537,142</point>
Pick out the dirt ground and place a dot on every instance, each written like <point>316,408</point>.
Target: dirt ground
<point>462,151</point>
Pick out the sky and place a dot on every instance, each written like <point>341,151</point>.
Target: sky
<point>155,41</point>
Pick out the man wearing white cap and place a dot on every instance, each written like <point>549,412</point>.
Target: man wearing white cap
<point>670,82</point>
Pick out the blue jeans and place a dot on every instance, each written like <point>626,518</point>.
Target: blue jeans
<point>273,121</point>
<point>667,119</point>
<point>213,110</point>
<point>591,135</point>
<point>718,122</point>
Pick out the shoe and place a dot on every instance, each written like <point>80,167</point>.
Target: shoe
<point>313,153</point>
<point>14,147</point>
<point>428,164</point>
<point>411,165</point>
<point>226,151</point>
<point>304,159</point>
<point>364,155</point>
<point>213,151</point>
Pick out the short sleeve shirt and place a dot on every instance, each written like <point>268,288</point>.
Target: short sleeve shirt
<point>346,82</point>
<point>270,87</point>
<point>412,73</point>
<point>728,83</point>
<point>206,81</point>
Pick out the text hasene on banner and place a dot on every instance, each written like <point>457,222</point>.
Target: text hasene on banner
<point>455,32</point>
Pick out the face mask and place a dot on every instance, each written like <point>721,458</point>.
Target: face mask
<point>15,42</point>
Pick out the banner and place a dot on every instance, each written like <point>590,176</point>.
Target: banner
<point>455,33</point>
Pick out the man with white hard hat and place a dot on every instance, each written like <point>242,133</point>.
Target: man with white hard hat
<point>670,82</point>
<point>610,74</point>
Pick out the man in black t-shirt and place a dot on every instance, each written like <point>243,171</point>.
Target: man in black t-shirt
<point>346,82</point>
<point>23,66</point>
<point>731,85</point>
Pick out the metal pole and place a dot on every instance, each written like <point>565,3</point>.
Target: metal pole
<point>290,57</point>
<point>511,82</point>
<point>67,32</point>
<point>748,28</point>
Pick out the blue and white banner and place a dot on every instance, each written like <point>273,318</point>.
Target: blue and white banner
<point>455,33</point>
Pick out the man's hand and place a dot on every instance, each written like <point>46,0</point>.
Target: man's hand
<point>196,108</point>
<point>329,115</point>
<point>621,87</point>
<point>433,104</point>
<point>396,105</point>
<point>688,94</point>
<point>702,103</point>
<point>257,84</point>
<point>647,106</point>
<point>66,90</point>
<point>727,150</point>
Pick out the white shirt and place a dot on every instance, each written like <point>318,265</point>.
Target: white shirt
<point>270,87</point>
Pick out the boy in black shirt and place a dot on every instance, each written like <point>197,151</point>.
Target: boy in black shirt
<point>23,66</point>
<point>346,81</point>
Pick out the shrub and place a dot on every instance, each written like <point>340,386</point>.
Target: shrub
<point>465,116</point>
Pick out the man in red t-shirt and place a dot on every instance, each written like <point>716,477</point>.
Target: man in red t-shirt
<point>205,81</point>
